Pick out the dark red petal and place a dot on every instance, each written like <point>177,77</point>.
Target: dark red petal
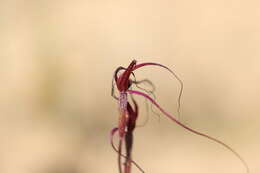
<point>116,71</point>
<point>115,78</point>
<point>132,116</point>
<point>123,80</point>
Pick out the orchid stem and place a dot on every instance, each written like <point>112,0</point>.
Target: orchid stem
<point>119,156</point>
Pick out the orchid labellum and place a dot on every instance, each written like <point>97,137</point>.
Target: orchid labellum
<point>128,114</point>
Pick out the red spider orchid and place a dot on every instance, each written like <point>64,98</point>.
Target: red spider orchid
<point>128,115</point>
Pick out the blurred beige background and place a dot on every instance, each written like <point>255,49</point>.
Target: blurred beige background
<point>56,63</point>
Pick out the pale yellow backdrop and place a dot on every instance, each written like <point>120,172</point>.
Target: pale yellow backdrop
<point>57,58</point>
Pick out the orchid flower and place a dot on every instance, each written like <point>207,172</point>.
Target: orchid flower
<point>128,114</point>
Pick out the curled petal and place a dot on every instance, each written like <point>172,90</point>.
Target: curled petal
<point>174,74</point>
<point>116,71</point>
<point>112,133</point>
<point>188,128</point>
<point>145,81</point>
<point>115,78</point>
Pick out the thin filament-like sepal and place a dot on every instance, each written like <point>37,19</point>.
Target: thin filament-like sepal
<point>174,74</point>
<point>188,128</point>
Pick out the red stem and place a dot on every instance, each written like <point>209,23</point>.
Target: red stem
<point>119,156</point>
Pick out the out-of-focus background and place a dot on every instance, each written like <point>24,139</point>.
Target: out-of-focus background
<point>56,64</point>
